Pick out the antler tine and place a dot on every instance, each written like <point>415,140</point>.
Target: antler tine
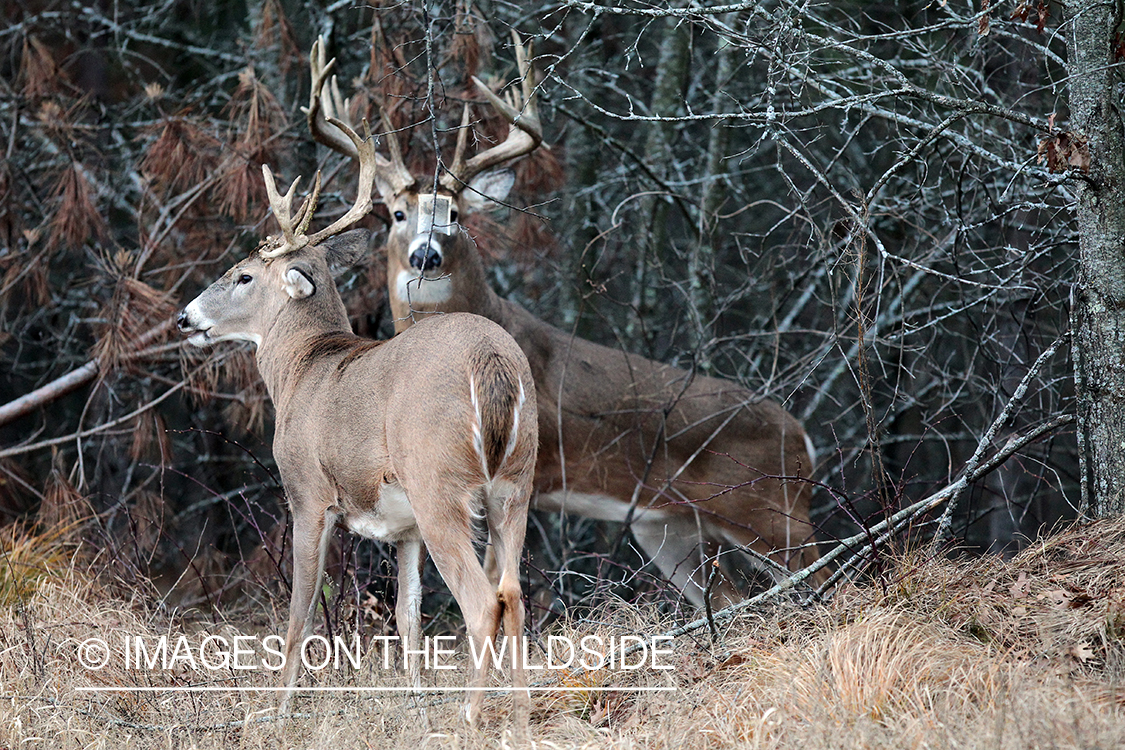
<point>308,208</point>
<point>527,80</point>
<point>393,171</point>
<point>458,165</point>
<point>368,167</point>
<point>294,228</point>
<point>327,108</point>
<point>524,131</point>
<point>325,103</point>
<point>282,207</point>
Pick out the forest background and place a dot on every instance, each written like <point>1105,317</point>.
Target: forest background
<point>867,211</point>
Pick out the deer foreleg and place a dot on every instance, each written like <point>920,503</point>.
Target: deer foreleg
<point>408,607</point>
<point>311,532</point>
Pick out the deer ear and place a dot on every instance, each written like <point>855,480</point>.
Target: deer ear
<point>345,249</point>
<point>298,281</point>
<point>487,188</point>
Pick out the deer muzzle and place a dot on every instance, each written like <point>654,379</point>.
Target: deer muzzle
<point>425,253</point>
<point>191,321</point>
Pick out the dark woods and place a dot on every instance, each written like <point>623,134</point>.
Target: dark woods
<point>860,210</point>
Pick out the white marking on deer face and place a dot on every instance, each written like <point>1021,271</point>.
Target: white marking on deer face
<point>436,213</point>
<point>424,252</point>
<point>193,319</point>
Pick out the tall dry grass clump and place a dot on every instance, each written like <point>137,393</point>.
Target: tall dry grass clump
<point>977,653</point>
<point>29,560</point>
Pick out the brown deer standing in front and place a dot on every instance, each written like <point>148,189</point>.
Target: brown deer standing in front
<point>409,441</point>
<point>694,464</point>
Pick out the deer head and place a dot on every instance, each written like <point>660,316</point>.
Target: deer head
<point>426,241</point>
<point>281,280</point>
<point>243,303</point>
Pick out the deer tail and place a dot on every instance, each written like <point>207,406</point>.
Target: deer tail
<point>498,394</point>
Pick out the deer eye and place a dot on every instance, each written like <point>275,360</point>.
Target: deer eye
<point>400,216</point>
<point>245,279</point>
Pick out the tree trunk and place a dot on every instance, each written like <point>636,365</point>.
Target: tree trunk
<point>667,100</point>
<point>701,258</point>
<point>1099,314</point>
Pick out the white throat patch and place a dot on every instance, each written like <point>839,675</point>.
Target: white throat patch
<point>415,289</point>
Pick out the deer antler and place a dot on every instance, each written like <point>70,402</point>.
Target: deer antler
<point>282,206</point>
<point>524,131</point>
<point>327,108</point>
<point>294,228</point>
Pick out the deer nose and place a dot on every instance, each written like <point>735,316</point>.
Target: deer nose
<point>182,321</point>
<point>425,258</point>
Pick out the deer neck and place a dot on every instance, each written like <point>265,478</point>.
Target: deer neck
<point>289,338</point>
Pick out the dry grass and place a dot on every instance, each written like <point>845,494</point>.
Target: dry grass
<point>966,654</point>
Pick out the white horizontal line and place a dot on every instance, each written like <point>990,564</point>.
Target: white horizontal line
<point>217,689</point>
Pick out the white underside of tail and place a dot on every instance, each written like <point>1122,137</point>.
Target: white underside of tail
<point>478,437</point>
<point>515,423</point>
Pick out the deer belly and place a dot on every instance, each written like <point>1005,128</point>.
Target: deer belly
<point>391,520</point>
<point>597,507</point>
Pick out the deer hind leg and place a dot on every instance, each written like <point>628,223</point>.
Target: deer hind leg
<point>506,510</point>
<point>449,538</point>
<point>311,532</point>
<point>684,557</point>
<point>491,566</point>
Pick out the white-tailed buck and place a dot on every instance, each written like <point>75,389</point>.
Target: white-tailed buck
<point>694,464</point>
<point>412,441</point>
